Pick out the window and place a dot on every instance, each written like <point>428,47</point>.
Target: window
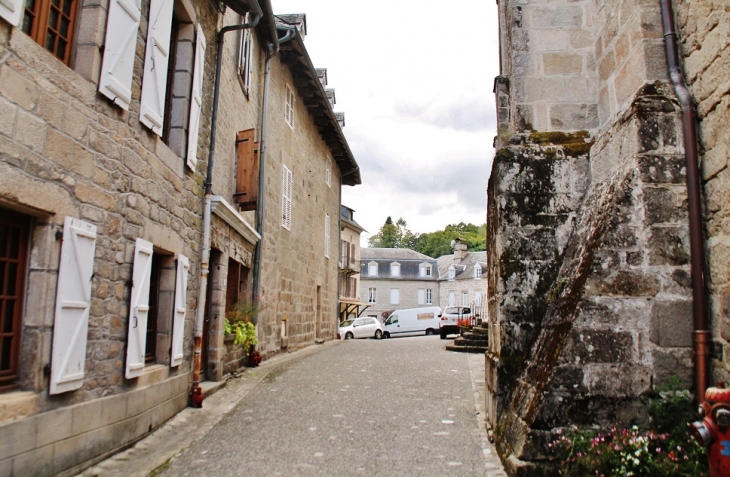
<point>245,57</point>
<point>327,235</point>
<point>395,269</point>
<point>452,273</point>
<point>477,298</point>
<point>372,295</point>
<point>425,270</point>
<point>172,80</point>
<point>14,233</point>
<point>373,269</point>
<point>429,296</point>
<point>247,170</point>
<point>328,173</point>
<point>465,298</point>
<point>421,296</point>
<point>52,24</point>
<point>452,298</point>
<point>289,108</point>
<point>394,296</point>
<point>477,272</point>
<point>286,195</point>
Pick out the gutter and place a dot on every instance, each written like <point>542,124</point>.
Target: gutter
<point>700,334</point>
<point>196,393</point>
<point>273,50</point>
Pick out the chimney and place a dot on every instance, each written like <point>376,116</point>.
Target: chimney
<point>460,250</point>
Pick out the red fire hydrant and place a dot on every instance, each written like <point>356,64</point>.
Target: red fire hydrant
<point>714,430</point>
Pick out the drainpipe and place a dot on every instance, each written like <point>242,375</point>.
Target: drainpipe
<point>196,393</point>
<point>273,50</point>
<point>700,334</point>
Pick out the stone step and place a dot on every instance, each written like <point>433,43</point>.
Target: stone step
<point>467,349</point>
<point>475,336</point>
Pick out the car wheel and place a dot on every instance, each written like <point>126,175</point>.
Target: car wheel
<point>443,335</point>
<point>348,336</point>
<point>429,332</point>
<point>378,334</point>
<point>386,335</point>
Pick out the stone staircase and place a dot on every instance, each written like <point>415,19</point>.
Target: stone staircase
<point>474,341</point>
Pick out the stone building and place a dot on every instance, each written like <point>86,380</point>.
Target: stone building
<point>105,143</point>
<point>462,278</point>
<point>588,242</point>
<point>350,230</point>
<point>397,278</point>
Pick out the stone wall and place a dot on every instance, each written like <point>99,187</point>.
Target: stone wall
<point>299,285</point>
<point>408,291</point>
<point>590,296</point>
<point>704,33</point>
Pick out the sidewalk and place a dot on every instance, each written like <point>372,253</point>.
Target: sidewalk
<point>177,434</point>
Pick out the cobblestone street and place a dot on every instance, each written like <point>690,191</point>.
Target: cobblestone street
<point>391,407</point>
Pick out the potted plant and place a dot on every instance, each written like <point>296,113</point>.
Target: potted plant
<point>240,321</point>
<point>464,325</point>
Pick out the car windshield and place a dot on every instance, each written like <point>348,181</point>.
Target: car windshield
<point>452,310</point>
<point>346,323</point>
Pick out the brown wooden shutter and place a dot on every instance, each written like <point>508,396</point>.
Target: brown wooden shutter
<point>247,174</point>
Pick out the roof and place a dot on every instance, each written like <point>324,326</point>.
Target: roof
<point>464,267</point>
<point>306,81</point>
<point>391,254</point>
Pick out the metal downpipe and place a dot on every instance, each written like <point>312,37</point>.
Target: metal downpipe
<point>196,393</point>
<point>700,334</point>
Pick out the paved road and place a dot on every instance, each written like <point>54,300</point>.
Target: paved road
<point>391,407</point>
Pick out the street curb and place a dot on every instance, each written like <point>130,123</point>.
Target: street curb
<point>151,455</point>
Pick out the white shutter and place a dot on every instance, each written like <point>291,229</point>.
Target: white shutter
<point>117,68</point>
<point>477,298</point>
<point>394,296</point>
<point>139,308</point>
<point>244,59</point>
<point>197,99</point>
<point>73,302</point>
<point>327,235</point>
<point>156,59</point>
<point>10,10</point>
<point>178,325</point>
<point>286,198</point>
<point>421,296</point>
<point>451,299</point>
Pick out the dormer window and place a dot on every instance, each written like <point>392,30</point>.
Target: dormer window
<point>452,273</point>
<point>425,270</point>
<point>373,269</point>
<point>395,269</point>
<point>477,272</point>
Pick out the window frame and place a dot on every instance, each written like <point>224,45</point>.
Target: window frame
<point>327,236</point>
<point>245,58</point>
<point>429,296</point>
<point>9,378</point>
<point>477,272</point>
<point>328,173</point>
<point>372,295</point>
<point>452,273</point>
<point>372,266</point>
<point>289,101</point>
<point>286,197</point>
<point>39,26</point>
<point>395,269</point>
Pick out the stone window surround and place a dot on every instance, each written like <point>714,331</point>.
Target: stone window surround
<point>426,270</point>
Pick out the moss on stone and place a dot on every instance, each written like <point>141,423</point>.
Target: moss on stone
<point>574,144</point>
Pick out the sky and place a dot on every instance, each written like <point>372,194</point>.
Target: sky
<point>414,79</point>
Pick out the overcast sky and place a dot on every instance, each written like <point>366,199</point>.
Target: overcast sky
<point>414,79</point>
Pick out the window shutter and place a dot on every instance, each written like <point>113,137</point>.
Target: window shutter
<point>117,68</point>
<point>73,302</point>
<point>394,296</point>
<point>196,102</point>
<point>244,59</point>
<point>327,235</point>
<point>156,59</point>
<point>178,326</point>
<point>139,308</point>
<point>247,173</point>
<point>286,198</point>
<point>421,296</point>
<point>10,10</point>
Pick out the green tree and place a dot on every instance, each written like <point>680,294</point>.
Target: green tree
<point>436,244</point>
<point>393,235</point>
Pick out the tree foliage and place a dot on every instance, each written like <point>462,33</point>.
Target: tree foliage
<point>434,244</point>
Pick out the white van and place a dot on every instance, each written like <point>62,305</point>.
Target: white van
<point>413,321</point>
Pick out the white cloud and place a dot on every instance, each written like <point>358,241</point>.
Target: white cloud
<point>414,78</point>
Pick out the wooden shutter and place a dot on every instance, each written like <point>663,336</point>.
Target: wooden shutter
<point>73,302</point>
<point>327,235</point>
<point>196,102</point>
<point>286,198</point>
<point>178,325</point>
<point>247,173</point>
<point>10,10</point>
<point>139,308</point>
<point>157,56</point>
<point>117,67</point>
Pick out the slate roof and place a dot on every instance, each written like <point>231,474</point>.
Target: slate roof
<point>464,267</point>
<point>392,254</point>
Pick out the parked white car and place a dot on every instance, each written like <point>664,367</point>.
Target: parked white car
<point>412,322</point>
<point>365,327</point>
<point>452,314</point>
